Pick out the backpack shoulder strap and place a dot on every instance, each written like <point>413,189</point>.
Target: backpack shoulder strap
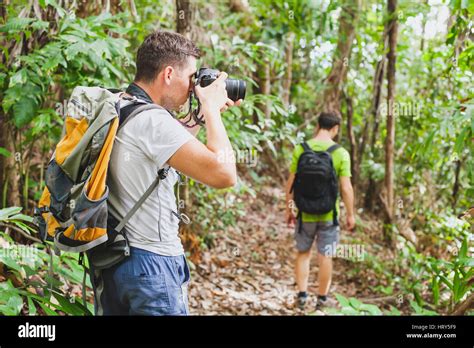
<point>306,146</point>
<point>333,148</point>
<point>138,204</point>
<point>126,114</point>
<point>130,111</point>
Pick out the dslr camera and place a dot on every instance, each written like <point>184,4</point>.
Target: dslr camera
<point>235,88</point>
<point>204,77</point>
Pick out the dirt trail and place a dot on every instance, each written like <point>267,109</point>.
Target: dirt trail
<point>249,271</point>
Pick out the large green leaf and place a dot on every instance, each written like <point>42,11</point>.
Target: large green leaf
<point>24,110</point>
<point>31,307</point>
<point>70,307</point>
<point>6,213</point>
<point>11,302</point>
<point>16,25</point>
<point>4,152</point>
<point>343,301</point>
<point>372,309</point>
<point>355,303</point>
<point>435,289</point>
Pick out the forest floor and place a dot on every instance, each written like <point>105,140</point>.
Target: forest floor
<point>250,268</point>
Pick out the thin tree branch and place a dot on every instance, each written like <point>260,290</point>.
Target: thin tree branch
<point>23,233</point>
<point>468,303</point>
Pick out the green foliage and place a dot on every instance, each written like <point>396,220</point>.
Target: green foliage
<point>215,210</point>
<point>12,216</point>
<point>46,59</point>
<point>352,306</point>
<point>87,49</point>
<point>453,277</point>
<point>11,302</point>
<point>438,283</point>
<point>419,310</point>
<point>371,169</point>
<point>24,263</point>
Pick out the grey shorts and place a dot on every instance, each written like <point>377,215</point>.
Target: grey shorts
<point>325,233</point>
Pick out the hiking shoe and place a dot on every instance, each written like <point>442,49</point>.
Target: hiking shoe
<point>324,303</point>
<point>301,302</point>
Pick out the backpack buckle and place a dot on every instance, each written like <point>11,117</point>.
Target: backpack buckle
<point>163,173</point>
<point>184,218</point>
<point>38,211</point>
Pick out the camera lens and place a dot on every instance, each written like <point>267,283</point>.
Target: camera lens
<point>235,89</point>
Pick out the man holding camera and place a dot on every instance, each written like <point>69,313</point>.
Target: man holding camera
<point>320,152</point>
<point>153,279</point>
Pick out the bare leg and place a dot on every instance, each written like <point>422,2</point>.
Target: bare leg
<point>302,269</point>
<point>325,274</point>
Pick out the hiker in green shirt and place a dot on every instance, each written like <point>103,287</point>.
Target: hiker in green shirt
<point>323,227</point>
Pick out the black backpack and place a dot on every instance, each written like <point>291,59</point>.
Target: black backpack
<point>315,186</point>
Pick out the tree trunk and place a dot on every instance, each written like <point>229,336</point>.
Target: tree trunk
<point>3,119</point>
<point>239,6</point>
<point>262,75</point>
<point>242,6</point>
<point>467,304</point>
<point>347,21</point>
<point>374,110</point>
<point>10,193</point>
<point>454,196</point>
<point>3,162</point>
<point>265,85</point>
<point>264,82</point>
<point>423,28</point>
<point>378,83</point>
<point>184,25</point>
<point>262,78</point>
<point>12,172</point>
<point>289,71</point>
<point>185,10</point>
<point>352,142</point>
<point>390,139</point>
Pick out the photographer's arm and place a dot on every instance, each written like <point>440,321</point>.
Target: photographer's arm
<point>212,164</point>
<point>194,131</point>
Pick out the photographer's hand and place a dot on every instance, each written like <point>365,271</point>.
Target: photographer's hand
<point>213,99</point>
<point>214,96</point>
<point>212,163</point>
<point>230,103</point>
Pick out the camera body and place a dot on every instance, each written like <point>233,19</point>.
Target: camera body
<point>235,88</point>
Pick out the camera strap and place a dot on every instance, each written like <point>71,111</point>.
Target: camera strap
<point>136,91</point>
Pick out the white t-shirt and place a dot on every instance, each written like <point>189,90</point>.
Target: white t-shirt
<point>141,148</point>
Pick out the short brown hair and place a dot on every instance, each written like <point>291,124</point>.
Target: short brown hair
<point>160,49</point>
<point>328,120</point>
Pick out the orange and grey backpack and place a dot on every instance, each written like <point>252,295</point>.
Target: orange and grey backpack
<point>72,210</point>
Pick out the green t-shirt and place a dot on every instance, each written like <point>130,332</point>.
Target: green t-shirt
<point>342,164</point>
